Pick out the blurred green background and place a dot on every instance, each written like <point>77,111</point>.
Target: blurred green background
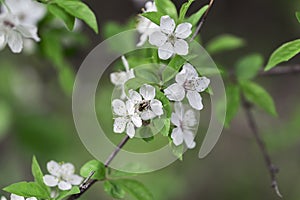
<point>36,115</point>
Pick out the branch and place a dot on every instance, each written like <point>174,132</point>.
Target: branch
<point>88,183</point>
<point>273,170</point>
<point>281,70</point>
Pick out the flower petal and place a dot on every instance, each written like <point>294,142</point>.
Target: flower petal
<point>137,121</point>
<point>183,30</point>
<point>29,32</point>
<point>181,47</point>
<point>16,197</point>
<point>148,114</point>
<point>190,70</point>
<point>118,78</point>
<point>67,169</point>
<point>3,198</point>
<point>54,168</point>
<point>201,84</point>
<point>15,42</point>
<point>74,179</point>
<point>120,124</point>
<point>130,107</point>
<point>119,107</point>
<point>156,107</point>
<point>63,185</point>
<point>179,110</point>
<point>2,43</point>
<point>189,139</point>
<point>167,24</point>
<point>189,119</point>
<point>125,63</point>
<point>177,136</point>
<point>134,96</point>
<point>175,119</point>
<point>175,92</point>
<point>166,51</point>
<point>130,130</point>
<point>143,39</point>
<point>158,38</point>
<point>32,198</point>
<point>147,92</point>
<point>50,180</point>
<point>195,100</point>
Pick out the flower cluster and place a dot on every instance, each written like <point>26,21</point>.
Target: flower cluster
<point>17,197</point>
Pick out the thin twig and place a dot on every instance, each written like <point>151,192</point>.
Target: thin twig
<point>203,19</point>
<point>90,182</point>
<point>281,70</point>
<point>273,170</point>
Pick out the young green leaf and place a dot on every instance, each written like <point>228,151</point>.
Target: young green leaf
<point>163,126</point>
<point>113,189</point>
<point>233,103</point>
<point>38,174</point>
<point>195,18</point>
<point>283,53</point>
<point>57,11</point>
<point>224,43</point>
<point>177,150</point>
<point>79,10</point>
<point>165,102</point>
<point>117,174</point>
<point>28,189</point>
<point>93,165</point>
<point>153,16</point>
<point>64,194</point>
<point>184,8</point>
<point>249,66</point>
<point>259,96</point>
<point>167,7</point>
<point>298,16</point>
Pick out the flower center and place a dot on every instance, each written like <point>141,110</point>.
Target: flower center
<point>143,106</point>
<point>190,84</point>
<point>172,38</point>
<point>8,24</point>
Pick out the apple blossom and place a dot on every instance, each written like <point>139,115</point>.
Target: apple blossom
<point>17,197</point>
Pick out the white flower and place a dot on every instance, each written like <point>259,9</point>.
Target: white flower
<point>120,78</point>
<point>17,197</point>
<point>185,121</point>
<point>3,198</point>
<point>188,84</point>
<point>61,175</point>
<point>145,26</point>
<point>171,42</point>
<point>13,33</point>
<point>145,102</point>
<point>127,118</point>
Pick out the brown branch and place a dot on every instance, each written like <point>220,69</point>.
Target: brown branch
<point>281,70</point>
<point>90,182</point>
<point>273,170</point>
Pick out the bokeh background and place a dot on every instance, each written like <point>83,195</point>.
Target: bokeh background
<point>36,115</point>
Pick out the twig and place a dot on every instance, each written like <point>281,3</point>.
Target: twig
<point>281,70</point>
<point>273,170</point>
<point>90,182</point>
<point>203,19</point>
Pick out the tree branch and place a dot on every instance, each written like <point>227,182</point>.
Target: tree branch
<point>90,182</point>
<point>281,70</point>
<point>273,170</point>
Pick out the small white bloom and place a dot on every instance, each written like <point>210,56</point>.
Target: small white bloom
<point>3,198</point>
<point>185,122</point>
<point>13,33</point>
<point>145,26</point>
<point>120,78</point>
<point>189,84</point>
<point>168,41</point>
<point>127,118</point>
<point>17,197</point>
<point>61,175</point>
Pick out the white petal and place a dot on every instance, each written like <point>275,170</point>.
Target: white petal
<point>190,70</point>
<point>177,136</point>
<point>67,169</point>
<point>31,198</point>
<point>175,92</point>
<point>16,197</point>
<point>195,100</point>
<point>182,77</point>
<point>137,121</point>
<point>125,63</point>
<point>148,92</point>
<point>62,185</point>
<point>158,38</point>
<point>2,44</point>
<point>54,168</point>
<point>183,30</point>
<point>175,120</point>
<point>130,107</point>
<point>189,139</point>
<point>134,96</point>
<point>29,32</point>
<point>15,42</point>
<point>119,107</point>
<point>130,130</point>
<point>3,198</point>
<point>118,78</point>
<point>50,180</point>
<point>167,24</point>
<point>156,107</point>
<point>148,114</point>
<point>201,84</point>
<point>143,40</point>
<point>166,51</point>
<point>74,179</point>
<point>181,47</point>
<point>120,124</point>
<point>179,110</point>
<point>190,119</point>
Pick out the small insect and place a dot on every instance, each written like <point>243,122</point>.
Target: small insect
<point>143,106</point>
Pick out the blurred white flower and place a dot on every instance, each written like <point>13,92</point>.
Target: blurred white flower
<point>145,26</point>
<point>185,122</point>
<point>13,33</point>
<point>120,78</point>
<point>16,197</point>
<point>61,175</point>
<point>3,198</point>
<point>188,84</point>
<point>145,102</point>
<point>168,41</point>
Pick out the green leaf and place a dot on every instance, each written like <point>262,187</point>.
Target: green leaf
<point>284,53</point>
<point>162,125</point>
<point>249,66</point>
<point>165,102</point>
<point>114,189</point>
<point>195,18</point>
<point>184,8</point>
<point>79,10</point>
<point>153,16</point>
<point>259,96</point>
<point>177,150</point>
<point>117,174</point>
<point>66,79</point>
<point>57,11</point>
<point>93,165</point>
<point>134,188</point>
<point>233,100</point>
<point>166,7</point>
<point>28,189</point>
<point>64,194</point>
<point>38,174</point>
<point>224,43</point>
<point>298,16</point>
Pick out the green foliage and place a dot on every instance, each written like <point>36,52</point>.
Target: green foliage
<point>259,96</point>
<point>113,173</point>
<point>298,16</point>
<point>223,43</point>
<point>195,18</point>
<point>233,102</point>
<point>114,189</point>
<point>97,167</point>
<point>64,194</point>
<point>59,12</point>
<point>153,16</point>
<point>5,118</point>
<point>38,174</point>
<point>28,189</point>
<point>184,8</point>
<point>165,102</point>
<point>283,53</point>
<point>167,7</point>
<point>249,66</point>
<point>177,150</point>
